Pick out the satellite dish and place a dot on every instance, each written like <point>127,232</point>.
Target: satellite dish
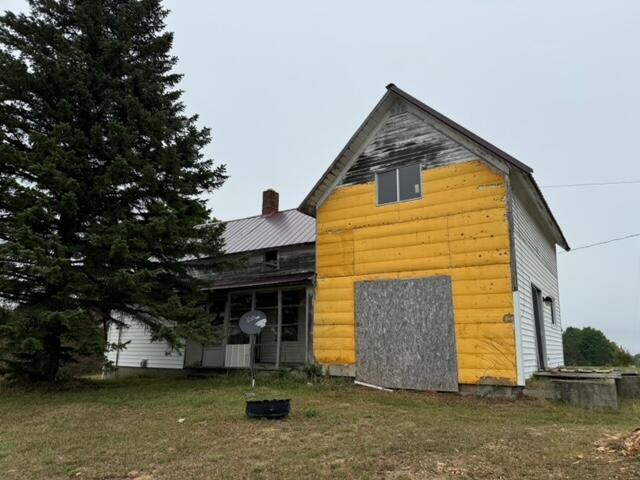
<point>253,322</point>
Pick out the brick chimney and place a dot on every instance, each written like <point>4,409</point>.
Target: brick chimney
<point>269,202</point>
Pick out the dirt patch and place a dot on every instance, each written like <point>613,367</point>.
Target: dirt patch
<point>627,445</point>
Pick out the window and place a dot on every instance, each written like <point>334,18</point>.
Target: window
<point>271,260</point>
<point>399,184</point>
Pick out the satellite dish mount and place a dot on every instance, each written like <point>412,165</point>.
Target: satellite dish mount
<point>252,324</point>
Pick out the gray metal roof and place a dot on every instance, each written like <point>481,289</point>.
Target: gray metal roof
<point>289,227</point>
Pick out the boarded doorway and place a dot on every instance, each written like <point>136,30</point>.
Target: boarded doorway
<point>405,334</point>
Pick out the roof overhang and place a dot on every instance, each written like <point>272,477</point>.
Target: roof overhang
<point>264,281</point>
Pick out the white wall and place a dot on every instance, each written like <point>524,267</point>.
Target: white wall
<point>157,354</point>
<point>536,263</point>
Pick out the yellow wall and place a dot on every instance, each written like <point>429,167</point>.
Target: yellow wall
<point>459,228</point>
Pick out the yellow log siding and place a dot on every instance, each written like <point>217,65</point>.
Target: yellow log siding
<point>458,228</point>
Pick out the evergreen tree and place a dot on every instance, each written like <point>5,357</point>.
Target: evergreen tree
<point>101,182</point>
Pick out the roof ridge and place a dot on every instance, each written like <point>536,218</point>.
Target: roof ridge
<point>260,215</point>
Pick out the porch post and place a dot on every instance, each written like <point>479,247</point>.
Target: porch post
<point>279,328</point>
<point>307,296</point>
<point>227,326</point>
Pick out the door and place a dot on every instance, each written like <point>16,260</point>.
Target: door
<point>538,320</point>
<point>405,335</point>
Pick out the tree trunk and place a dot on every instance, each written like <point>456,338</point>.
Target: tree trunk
<point>47,363</point>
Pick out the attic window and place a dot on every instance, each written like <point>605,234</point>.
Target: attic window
<point>399,185</point>
<point>271,259</point>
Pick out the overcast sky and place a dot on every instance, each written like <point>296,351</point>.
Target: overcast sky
<point>284,84</point>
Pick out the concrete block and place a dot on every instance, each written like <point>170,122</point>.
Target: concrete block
<point>502,392</point>
<point>541,393</point>
<point>340,370</point>
<point>591,393</point>
<point>629,386</point>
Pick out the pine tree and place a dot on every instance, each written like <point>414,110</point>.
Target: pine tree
<point>101,182</point>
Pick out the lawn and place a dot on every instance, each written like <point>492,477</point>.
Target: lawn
<point>196,429</point>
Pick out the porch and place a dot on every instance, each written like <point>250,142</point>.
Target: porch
<point>286,340</point>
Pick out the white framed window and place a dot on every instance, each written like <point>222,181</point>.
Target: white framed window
<point>399,184</point>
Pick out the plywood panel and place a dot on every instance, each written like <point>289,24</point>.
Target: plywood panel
<point>405,334</point>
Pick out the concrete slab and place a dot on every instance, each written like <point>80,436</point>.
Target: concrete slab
<point>588,393</point>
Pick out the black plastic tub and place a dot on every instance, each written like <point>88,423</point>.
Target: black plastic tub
<point>271,409</point>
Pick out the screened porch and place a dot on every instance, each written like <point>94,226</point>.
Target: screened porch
<point>284,341</point>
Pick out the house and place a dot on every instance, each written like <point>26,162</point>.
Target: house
<point>272,268</point>
<point>423,258</point>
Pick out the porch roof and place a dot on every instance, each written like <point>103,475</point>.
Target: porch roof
<point>263,281</point>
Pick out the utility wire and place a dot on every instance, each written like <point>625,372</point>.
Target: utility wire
<point>603,242</point>
<point>596,184</point>
<point>593,184</point>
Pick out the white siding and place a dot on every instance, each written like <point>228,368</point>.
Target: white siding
<point>157,354</point>
<point>535,257</point>
<point>237,356</point>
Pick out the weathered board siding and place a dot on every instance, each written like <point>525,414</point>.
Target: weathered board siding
<point>535,258</point>
<point>458,228</point>
<point>246,267</point>
<point>157,354</point>
<point>406,336</point>
<point>404,138</point>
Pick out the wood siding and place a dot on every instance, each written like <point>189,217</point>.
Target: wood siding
<point>459,229</point>
<point>245,267</point>
<point>404,138</point>
<point>535,261</point>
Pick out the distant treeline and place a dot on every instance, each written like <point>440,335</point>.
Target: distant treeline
<point>590,347</point>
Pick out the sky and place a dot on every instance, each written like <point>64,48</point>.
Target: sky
<point>284,84</point>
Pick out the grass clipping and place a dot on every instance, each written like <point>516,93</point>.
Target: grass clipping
<point>627,444</point>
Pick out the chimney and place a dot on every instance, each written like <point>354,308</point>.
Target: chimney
<point>269,202</point>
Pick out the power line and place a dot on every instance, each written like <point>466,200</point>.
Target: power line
<point>593,184</point>
<point>604,242</point>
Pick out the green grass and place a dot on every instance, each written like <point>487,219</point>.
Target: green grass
<point>129,428</point>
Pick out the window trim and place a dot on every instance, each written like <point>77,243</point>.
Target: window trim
<point>397,170</point>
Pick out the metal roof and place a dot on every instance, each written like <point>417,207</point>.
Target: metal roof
<point>289,227</point>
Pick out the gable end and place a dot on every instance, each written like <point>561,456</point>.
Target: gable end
<point>404,138</point>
